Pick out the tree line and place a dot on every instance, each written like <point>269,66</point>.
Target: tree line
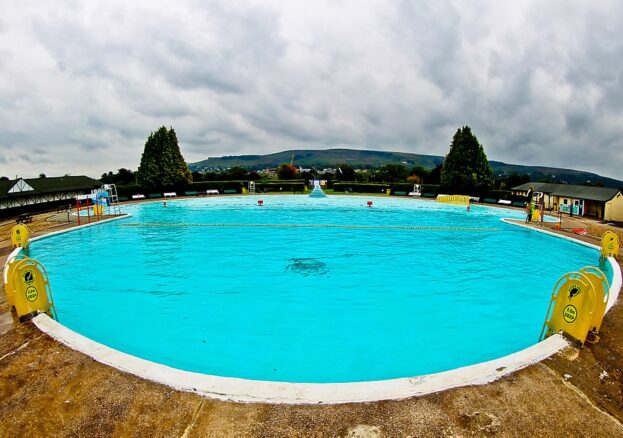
<point>465,169</point>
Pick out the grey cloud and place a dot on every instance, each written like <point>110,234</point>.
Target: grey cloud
<point>540,83</point>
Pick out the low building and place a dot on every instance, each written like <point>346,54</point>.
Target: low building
<point>598,202</point>
<point>32,194</point>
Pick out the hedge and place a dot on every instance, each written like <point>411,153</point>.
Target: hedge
<point>199,186</point>
<point>356,187</point>
<point>360,187</point>
<point>280,187</point>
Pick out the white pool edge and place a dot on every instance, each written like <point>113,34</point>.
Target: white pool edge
<point>249,391</point>
<point>80,227</point>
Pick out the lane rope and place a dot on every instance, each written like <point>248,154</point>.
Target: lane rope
<point>357,227</point>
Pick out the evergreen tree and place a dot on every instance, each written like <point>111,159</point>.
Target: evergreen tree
<point>162,163</point>
<point>434,176</point>
<point>466,169</point>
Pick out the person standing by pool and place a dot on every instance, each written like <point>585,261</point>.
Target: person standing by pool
<point>529,204</point>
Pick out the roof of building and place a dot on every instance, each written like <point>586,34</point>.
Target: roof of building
<point>36,186</point>
<point>572,191</point>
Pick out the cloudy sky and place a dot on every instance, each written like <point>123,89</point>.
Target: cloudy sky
<point>83,83</point>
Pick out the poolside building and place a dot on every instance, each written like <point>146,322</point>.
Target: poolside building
<point>602,203</point>
<point>31,194</point>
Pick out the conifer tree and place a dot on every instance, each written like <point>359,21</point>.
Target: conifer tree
<point>466,169</point>
<point>162,163</point>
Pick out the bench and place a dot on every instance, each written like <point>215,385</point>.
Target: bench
<point>170,195</point>
<point>490,201</point>
<point>24,218</point>
<point>504,202</point>
<point>123,198</point>
<point>155,195</point>
<point>518,204</point>
<point>429,195</point>
<point>230,191</point>
<point>212,192</point>
<point>190,193</point>
<point>400,193</point>
<point>140,196</point>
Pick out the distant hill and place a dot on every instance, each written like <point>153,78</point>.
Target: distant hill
<point>318,159</point>
<point>329,158</point>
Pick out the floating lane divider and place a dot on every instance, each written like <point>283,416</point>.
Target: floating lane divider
<point>380,227</point>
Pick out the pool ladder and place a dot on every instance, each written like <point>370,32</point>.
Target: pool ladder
<point>114,198</point>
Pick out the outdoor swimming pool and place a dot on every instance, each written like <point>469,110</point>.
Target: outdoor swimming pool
<point>308,290</point>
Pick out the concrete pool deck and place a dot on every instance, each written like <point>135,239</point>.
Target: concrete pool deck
<point>49,389</point>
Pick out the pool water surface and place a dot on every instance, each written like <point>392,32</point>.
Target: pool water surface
<point>308,290</point>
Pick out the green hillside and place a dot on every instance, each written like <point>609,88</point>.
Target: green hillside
<point>318,159</point>
<point>329,158</point>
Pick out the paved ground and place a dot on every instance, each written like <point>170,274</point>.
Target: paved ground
<point>47,389</point>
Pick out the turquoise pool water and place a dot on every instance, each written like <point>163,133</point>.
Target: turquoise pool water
<point>405,288</point>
